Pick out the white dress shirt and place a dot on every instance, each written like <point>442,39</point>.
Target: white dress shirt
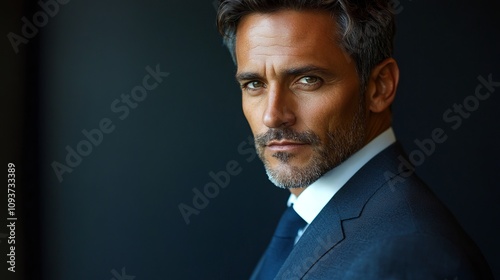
<point>312,200</point>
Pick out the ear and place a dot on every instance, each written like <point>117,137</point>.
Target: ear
<point>382,85</point>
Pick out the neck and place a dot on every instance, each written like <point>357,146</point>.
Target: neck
<point>297,191</point>
<point>376,124</point>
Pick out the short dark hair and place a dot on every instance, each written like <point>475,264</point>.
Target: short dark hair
<point>367,27</point>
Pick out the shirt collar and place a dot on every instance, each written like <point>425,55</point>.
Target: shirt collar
<point>310,202</point>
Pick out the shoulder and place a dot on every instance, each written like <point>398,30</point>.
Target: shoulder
<point>417,256</point>
<point>405,232</point>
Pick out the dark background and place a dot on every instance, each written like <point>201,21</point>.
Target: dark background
<point>119,207</point>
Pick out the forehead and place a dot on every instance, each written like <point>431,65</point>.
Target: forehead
<point>287,34</point>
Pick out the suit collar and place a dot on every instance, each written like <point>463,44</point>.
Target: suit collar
<point>314,198</point>
<point>326,229</point>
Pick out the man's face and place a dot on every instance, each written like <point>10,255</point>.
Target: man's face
<point>300,93</point>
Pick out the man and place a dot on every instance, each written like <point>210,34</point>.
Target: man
<point>317,81</point>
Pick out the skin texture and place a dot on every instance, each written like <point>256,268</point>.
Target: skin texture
<point>301,95</point>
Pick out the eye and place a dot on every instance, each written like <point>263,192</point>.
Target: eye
<point>309,83</point>
<point>253,85</point>
<point>308,80</point>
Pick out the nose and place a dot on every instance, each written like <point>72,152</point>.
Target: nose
<point>280,108</point>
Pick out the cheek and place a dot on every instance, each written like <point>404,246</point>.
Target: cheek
<point>251,113</point>
<point>332,112</point>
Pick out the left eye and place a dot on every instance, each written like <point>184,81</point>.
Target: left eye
<point>308,80</point>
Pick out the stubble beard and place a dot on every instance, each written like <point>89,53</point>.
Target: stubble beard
<point>341,144</point>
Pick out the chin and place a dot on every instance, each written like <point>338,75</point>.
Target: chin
<point>292,175</point>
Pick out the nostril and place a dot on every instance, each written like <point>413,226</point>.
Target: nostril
<point>279,106</point>
<point>274,118</point>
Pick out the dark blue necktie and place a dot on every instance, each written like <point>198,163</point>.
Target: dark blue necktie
<point>281,244</point>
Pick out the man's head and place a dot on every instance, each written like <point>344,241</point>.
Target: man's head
<point>316,76</point>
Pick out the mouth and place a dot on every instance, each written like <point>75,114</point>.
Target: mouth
<point>285,145</point>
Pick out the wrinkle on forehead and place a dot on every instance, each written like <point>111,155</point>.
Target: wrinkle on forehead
<point>277,34</point>
<point>271,30</point>
<point>268,44</point>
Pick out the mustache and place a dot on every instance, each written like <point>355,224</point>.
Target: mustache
<point>306,137</point>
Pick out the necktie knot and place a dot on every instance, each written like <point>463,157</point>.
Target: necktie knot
<point>289,224</point>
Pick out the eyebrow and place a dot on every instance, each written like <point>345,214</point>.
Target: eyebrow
<point>246,76</point>
<point>295,71</point>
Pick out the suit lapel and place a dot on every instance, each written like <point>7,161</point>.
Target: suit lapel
<point>326,231</point>
<point>321,235</point>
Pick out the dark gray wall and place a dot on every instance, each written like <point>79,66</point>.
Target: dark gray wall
<point>118,208</point>
<point>442,49</point>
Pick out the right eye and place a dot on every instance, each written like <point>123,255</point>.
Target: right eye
<point>253,85</point>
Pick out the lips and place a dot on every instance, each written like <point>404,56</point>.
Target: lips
<point>285,145</point>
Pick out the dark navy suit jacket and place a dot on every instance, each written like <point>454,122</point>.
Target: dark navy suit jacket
<point>384,223</point>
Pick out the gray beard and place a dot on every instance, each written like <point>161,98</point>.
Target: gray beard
<point>341,144</point>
